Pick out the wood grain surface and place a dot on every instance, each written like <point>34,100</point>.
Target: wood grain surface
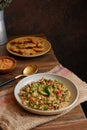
<point>75,119</point>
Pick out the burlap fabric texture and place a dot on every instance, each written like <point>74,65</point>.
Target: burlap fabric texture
<point>14,117</point>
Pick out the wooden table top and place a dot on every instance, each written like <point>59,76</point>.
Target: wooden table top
<point>75,119</point>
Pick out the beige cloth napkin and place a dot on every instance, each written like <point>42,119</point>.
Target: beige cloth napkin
<point>14,117</point>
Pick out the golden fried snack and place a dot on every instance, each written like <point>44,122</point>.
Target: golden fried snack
<point>40,45</point>
<point>38,49</point>
<point>27,45</point>
<point>14,49</point>
<point>27,51</point>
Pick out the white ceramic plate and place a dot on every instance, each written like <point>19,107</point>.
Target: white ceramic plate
<point>36,77</point>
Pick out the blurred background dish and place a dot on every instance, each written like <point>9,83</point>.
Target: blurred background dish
<point>28,46</point>
<point>7,64</point>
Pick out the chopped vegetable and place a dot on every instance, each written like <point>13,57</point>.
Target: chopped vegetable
<point>45,94</point>
<point>47,90</point>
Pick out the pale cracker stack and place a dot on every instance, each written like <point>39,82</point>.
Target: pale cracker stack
<point>14,117</point>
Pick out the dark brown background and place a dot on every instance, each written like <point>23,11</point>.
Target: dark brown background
<point>64,22</point>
